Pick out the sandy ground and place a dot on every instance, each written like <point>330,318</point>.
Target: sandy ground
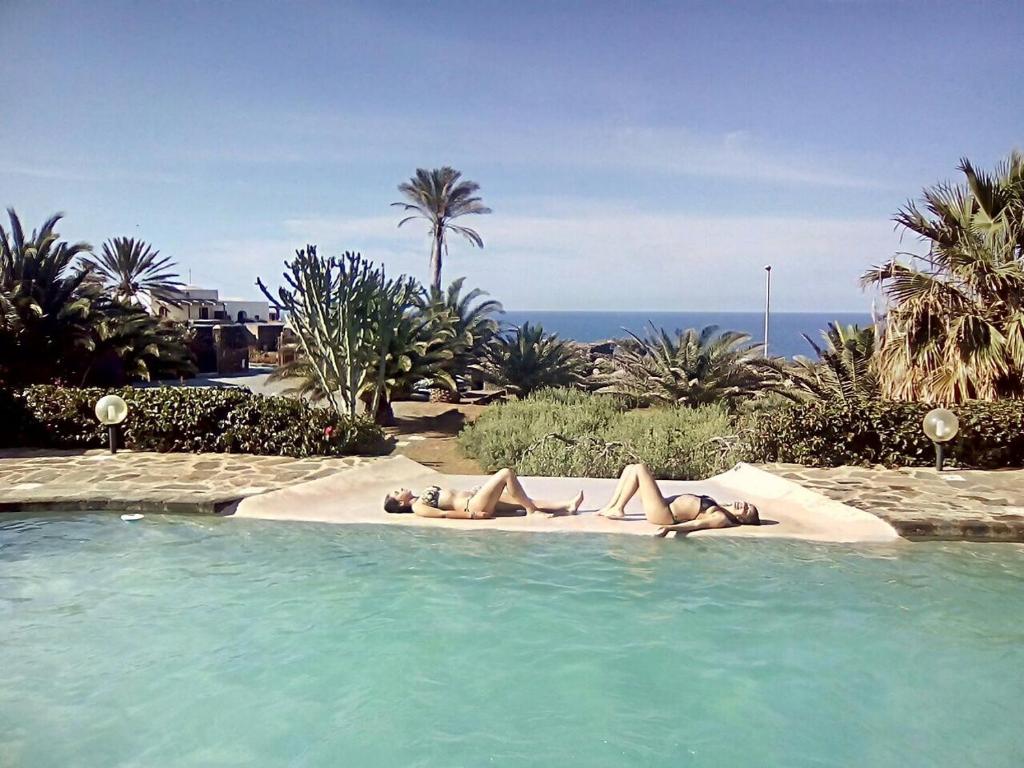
<point>355,497</point>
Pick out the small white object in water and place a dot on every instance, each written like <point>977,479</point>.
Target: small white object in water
<point>129,518</point>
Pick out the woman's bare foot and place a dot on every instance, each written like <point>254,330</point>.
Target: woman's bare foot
<point>612,513</point>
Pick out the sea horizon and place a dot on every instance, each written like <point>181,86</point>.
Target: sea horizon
<point>785,332</point>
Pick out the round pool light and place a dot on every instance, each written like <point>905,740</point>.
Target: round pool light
<point>111,410</point>
<point>941,426</point>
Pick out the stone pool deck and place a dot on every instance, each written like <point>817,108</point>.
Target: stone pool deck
<point>921,503</point>
<point>820,504</point>
<point>42,481</point>
<point>354,497</point>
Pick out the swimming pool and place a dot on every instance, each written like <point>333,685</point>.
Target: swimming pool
<point>180,641</point>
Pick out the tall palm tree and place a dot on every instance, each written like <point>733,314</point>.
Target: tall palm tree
<point>439,196</point>
<point>955,325</point>
<point>132,268</point>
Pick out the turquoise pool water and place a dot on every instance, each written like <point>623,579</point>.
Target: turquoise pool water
<point>208,642</point>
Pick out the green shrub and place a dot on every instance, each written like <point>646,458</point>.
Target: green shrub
<point>885,432</point>
<point>573,433</point>
<point>183,419</point>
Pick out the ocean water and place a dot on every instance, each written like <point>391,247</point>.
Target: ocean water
<point>784,331</point>
<point>217,642</point>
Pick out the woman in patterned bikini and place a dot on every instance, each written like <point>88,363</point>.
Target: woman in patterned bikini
<point>501,493</point>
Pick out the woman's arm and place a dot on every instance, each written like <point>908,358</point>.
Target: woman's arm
<point>425,510</point>
<point>714,520</point>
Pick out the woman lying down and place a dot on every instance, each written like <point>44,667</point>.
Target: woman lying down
<point>503,494</point>
<point>682,514</point>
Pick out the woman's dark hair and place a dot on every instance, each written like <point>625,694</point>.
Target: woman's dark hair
<point>394,507</point>
<point>753,518</point>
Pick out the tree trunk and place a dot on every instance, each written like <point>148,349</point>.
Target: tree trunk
<point>435,259</point>
<point>385,414</point>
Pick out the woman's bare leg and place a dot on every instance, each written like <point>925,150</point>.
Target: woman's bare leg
<point>637,478</point>
<point>616,506</point>
<point>503,481</point>
<point>567,507</point>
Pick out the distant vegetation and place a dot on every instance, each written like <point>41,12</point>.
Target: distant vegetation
<point>693,367</point>
<point>65,318</point>
<point>525,359</point>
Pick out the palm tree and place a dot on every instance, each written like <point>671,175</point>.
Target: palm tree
<point>955,325</point>
<point>417,351</point>
<point>471,316</point>
<point>526,359</point>
<point>132,345</point>
<point>47,302</point>
<point>439,197</point>
<point>132,268</point>
<point>693,368</point>
<point>843,371</point>
<point>58,323</point>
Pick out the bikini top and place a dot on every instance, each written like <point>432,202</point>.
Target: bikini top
<point>431,496</point>
<point>706,502</point>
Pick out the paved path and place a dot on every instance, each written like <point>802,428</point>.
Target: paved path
<point>921,503</point>
<point>428,433</point>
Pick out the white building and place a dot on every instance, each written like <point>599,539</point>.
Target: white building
<point>205,304</point>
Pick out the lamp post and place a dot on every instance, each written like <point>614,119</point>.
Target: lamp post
<point>767,303</point>
<point>111,410</point>
<point>941,426</point>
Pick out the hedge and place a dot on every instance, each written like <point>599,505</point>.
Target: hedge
<point>187,419</point>
<point>564,432</point>
<point>822,434</point>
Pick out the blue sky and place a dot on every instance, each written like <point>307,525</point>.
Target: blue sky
<point>636,155</point>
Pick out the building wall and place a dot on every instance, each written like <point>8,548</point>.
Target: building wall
<point>187,311</point>
<point>205,304</point>
<point>266,335</point>
<point>254,310</point>
<point>206,294</point>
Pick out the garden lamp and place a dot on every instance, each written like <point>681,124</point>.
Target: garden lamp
<point>941,426</point>
<point>111,410</point>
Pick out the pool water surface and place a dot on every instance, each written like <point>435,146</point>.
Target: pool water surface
<point>186,641</point>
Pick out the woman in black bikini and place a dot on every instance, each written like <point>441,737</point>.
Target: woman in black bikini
<point>501,493</point>
<point>682,513</point>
